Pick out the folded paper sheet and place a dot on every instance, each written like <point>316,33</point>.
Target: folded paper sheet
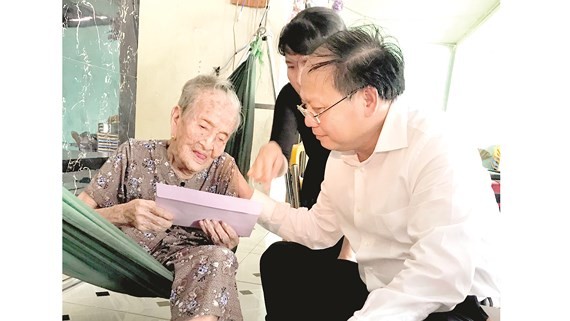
<point>190,206</point>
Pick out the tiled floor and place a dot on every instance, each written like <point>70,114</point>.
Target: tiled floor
<point>85,302</point>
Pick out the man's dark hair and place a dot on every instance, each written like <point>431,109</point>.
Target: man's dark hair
<point>362,56</point>
<point>308,29</point>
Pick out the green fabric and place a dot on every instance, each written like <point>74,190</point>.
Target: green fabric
<point>97,252</point>
<point>243,79</point>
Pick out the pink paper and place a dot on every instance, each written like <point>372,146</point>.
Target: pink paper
<point>190,206</point>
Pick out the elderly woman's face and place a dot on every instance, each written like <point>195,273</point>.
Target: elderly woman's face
<point>201,135</point>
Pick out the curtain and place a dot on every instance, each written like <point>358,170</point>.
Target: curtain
<point>97,252</point>
<point>243,79</point>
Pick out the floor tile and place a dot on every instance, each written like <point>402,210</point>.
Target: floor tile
<point>85,294</point>
<point>269,239</point>
<point>81,303</point>
<point>242,254</point>
<point>248,269</point>
<point>258,233</point>
<point>79,312</point>
<point>246,244</point>
<point>252,305</point>
<point>253,315</point>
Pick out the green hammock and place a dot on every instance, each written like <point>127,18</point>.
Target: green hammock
<point>97,252</point>
<point>243,79</point>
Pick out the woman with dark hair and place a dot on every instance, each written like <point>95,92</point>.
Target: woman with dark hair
<point>303,34</point>
<point>306,31</point>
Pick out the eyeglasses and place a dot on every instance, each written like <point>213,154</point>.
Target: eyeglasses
<point>305,112</point>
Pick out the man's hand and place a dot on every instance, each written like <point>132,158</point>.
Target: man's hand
<point>220,233</point>
<point>269,164</point>
<point>146,216</point>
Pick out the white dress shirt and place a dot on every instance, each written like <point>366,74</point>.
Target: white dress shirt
<point>419,213</point>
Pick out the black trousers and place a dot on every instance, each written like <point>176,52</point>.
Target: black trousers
<point>303,284</point>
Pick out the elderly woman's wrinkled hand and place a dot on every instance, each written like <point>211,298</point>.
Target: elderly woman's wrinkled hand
<point>220,233</point>
<point>146,216</point>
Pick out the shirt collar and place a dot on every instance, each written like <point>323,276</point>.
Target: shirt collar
<point>394,134</point>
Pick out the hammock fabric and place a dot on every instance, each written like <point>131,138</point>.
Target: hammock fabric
<point>243,79</point>
<point>97,252</point>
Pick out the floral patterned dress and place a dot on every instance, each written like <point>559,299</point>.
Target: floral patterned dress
<point>204,274</point>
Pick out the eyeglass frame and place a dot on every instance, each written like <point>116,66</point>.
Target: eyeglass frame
<point>304,111</point>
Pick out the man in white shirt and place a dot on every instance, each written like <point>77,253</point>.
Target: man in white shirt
<point>414,201</point>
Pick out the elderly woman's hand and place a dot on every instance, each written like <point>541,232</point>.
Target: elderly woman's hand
<point>139,213</point>
<point>145,215</point>
<point>220,233</point>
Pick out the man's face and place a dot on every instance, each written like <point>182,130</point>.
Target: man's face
<point>338,125</point>
<point>201,135</point>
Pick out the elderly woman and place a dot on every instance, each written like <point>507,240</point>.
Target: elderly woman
<point>124,191</point>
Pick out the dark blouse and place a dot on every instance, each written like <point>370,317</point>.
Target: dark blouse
<point>287,123</point>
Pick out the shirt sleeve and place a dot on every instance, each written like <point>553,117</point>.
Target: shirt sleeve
<point>316,228</point>
<point>284,128</point>
<point>444,226</point>
<point>107,186</point>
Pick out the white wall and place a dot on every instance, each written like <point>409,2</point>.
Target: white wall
<point>476,89</point>
<point>179,39</point>
<point>427,74</point>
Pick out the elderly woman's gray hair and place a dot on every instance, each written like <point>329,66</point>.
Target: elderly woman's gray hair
<point>193,87</point>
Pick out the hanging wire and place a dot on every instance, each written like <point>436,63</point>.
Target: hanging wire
<point>264,18</point>
<point>232,59</point>
<point>259,32</point>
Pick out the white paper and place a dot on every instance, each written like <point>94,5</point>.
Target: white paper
<point>190,206</point>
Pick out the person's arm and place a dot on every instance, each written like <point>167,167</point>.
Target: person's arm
<point>141,214</point>
<point>113,214</point>
<point>269,164</point>
<point>445,225</point>
<point>316,228</point>
<point>284,130</point>
<point>103,195</point>
<point>273,158</point>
